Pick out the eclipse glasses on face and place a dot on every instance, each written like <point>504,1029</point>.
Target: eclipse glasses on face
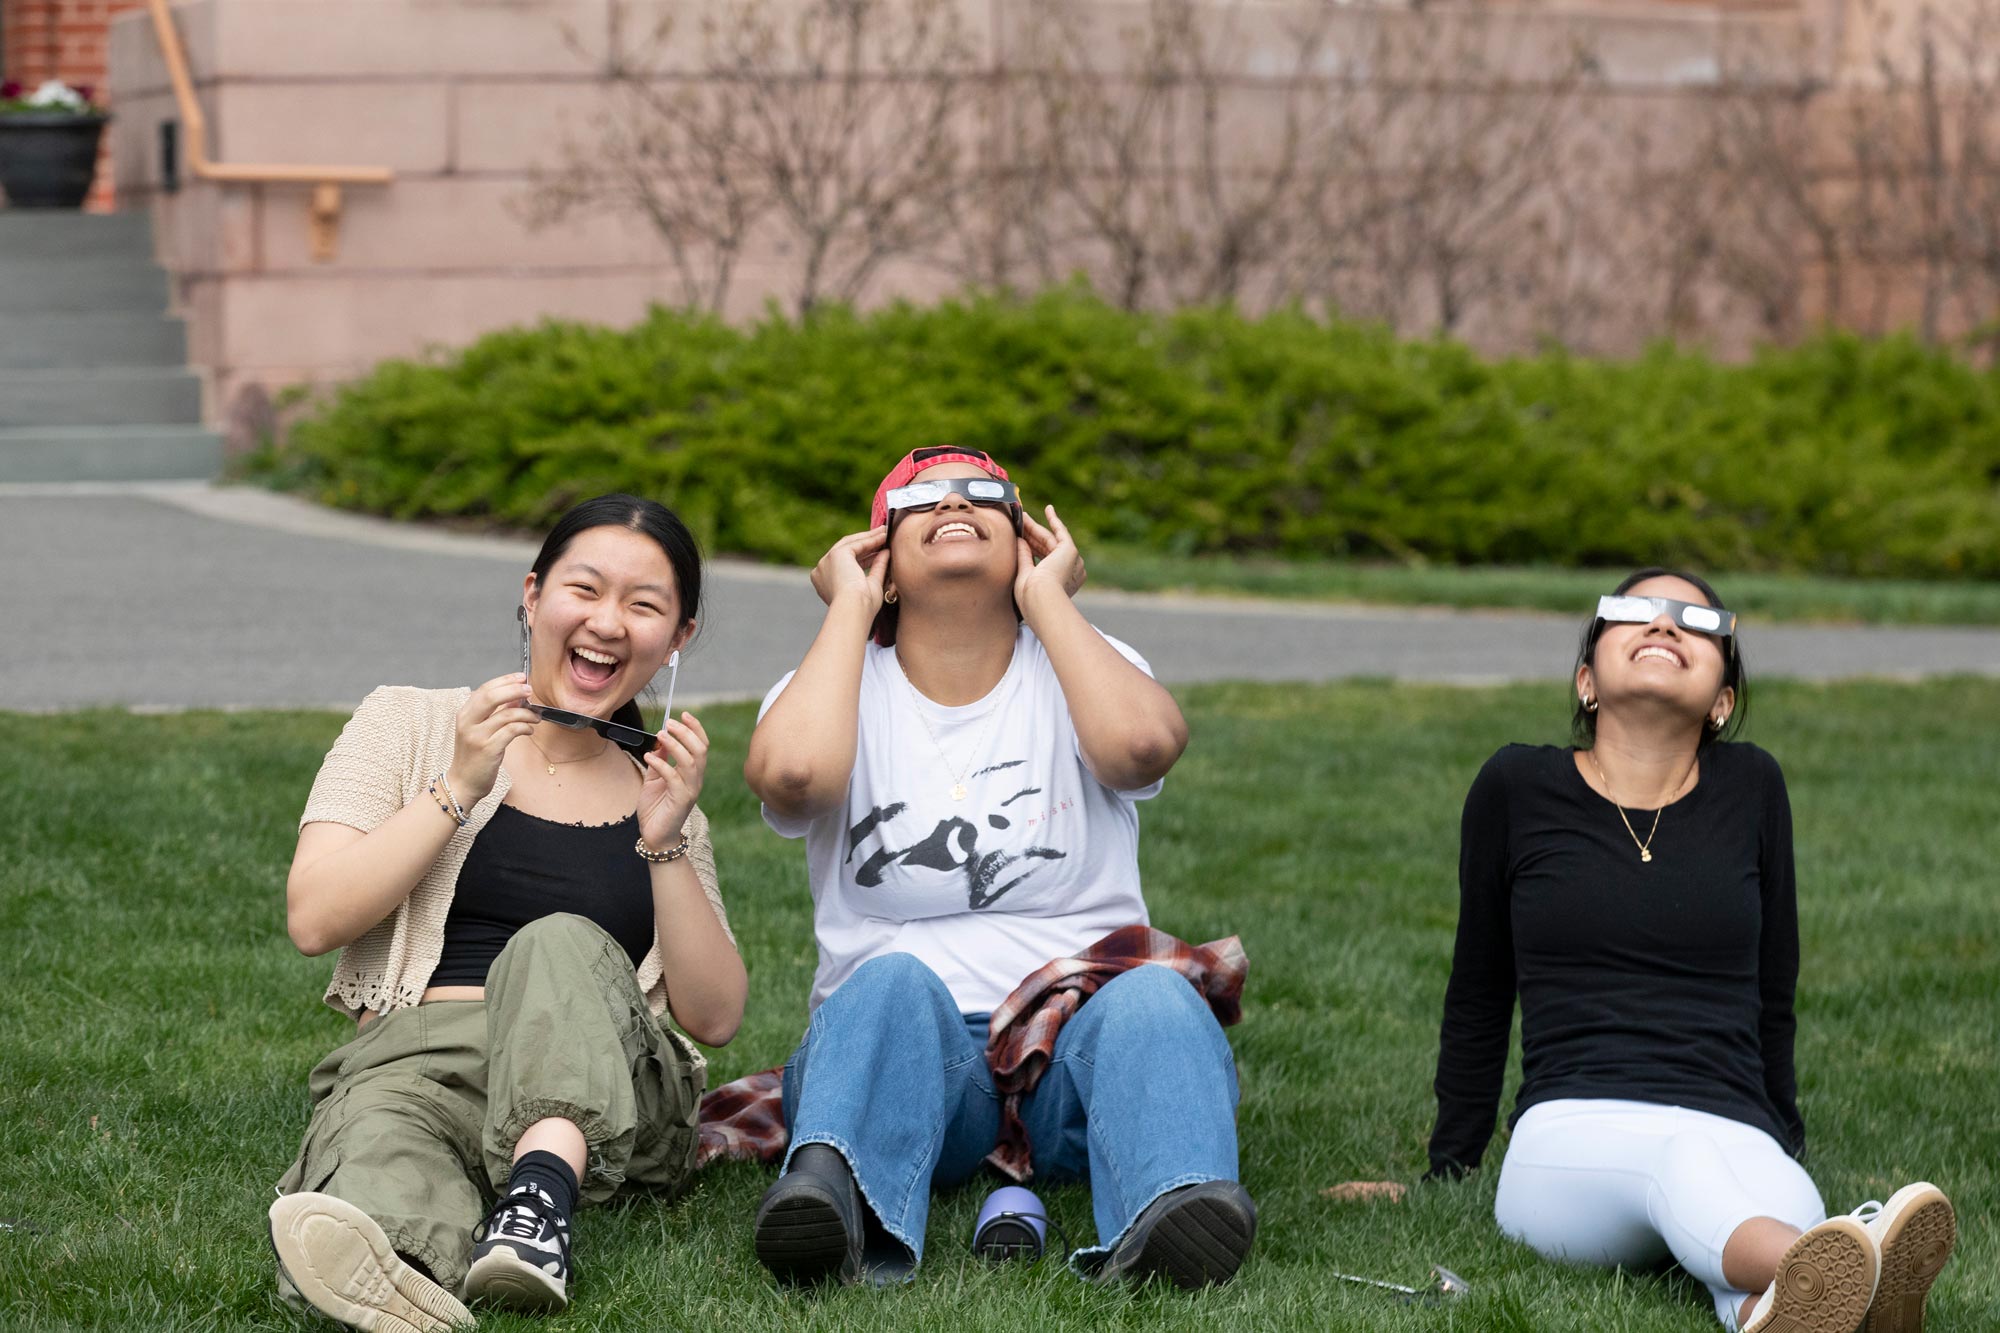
<point>922,495</point>
<point>1626,609</point>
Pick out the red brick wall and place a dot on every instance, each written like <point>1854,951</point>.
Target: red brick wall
<point>62,39</point>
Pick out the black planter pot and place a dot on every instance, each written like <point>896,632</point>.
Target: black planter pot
<point>48,158</point>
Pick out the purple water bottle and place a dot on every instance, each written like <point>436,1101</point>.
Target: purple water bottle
<point>1012,1225</point>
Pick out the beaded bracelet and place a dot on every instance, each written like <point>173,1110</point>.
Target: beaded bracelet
<point>674,853</point>
<point>447,802</point>
<point>444,805</point>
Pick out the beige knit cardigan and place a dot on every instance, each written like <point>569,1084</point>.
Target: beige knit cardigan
<point>396,742</point>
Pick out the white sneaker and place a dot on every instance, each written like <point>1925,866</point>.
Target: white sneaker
<point>339,1262</point>
<point>1824,1284</point>
<point>1915,1232</point>
<point>520,1258</point>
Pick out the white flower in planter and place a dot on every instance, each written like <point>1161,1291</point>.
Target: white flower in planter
<point>55,95</point>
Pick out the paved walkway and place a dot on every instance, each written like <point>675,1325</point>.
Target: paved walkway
<point>171,595</point>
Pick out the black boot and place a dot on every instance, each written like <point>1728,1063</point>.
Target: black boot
<point>1192,1236</point>
<point>810,1224</point>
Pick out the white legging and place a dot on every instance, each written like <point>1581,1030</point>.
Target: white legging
<point>1628,1183</point>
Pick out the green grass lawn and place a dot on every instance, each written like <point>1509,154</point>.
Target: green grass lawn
<point>158,1026</point>
<point>1781,597</point>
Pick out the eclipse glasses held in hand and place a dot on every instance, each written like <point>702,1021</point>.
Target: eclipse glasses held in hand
<point>616,732</point>
<point>1629,610</point>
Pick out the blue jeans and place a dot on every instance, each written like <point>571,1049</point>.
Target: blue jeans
<point>1139,1098</point>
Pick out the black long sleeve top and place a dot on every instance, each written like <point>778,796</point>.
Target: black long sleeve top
<point>1667,982</point>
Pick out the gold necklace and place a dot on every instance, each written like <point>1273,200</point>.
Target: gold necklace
<point>1646,847</point>
<point>553,764</point>
<point>958,791</point>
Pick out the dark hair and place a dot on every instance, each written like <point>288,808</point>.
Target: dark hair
<point>1583,722</point>
<point>634,514</point>
<point>884,629</point>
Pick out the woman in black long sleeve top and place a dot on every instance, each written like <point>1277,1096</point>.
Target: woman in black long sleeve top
<point>1636,893</point>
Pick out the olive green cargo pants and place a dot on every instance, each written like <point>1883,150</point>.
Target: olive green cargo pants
<point>414,1121</point>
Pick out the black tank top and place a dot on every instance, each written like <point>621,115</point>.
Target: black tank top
<point>522,868</point>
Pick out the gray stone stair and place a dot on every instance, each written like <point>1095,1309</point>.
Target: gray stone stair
<point>94,384</point>
<point>106,396</point>
<point>31,285</point>
<point>58,235</point>
<point>108,453</point>
<point>85,341</point>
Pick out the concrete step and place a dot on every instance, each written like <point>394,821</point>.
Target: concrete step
<point>109,453</point>
<point>86,341</point>
<point>113,397</point>
<point>110,285</point>
<point>36,234</point>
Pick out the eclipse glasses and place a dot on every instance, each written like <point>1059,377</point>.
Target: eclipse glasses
<point>616,732</point>
<point>921,495</point>
<point>1626,609</point>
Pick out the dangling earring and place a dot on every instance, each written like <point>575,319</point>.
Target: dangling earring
<point>521,614</point>
<point>890,597</point>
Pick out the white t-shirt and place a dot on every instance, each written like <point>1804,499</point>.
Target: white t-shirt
<point>1039,860</point>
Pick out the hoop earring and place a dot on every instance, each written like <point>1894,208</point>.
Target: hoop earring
<point>1718,723</point>
<point>1589,703</point>
<point>890,597</point>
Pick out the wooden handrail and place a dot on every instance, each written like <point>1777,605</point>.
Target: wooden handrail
<point>324,219</point>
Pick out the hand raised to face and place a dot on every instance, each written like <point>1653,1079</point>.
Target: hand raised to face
<point>1047,558</point>
<point>854,567</point>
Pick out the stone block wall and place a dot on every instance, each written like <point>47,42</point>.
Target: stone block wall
<point>467,99</point>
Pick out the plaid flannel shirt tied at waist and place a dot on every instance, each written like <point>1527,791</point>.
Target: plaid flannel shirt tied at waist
<point>745,1120</point>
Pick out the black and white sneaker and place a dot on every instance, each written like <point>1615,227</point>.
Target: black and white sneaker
<point>520,1255</point>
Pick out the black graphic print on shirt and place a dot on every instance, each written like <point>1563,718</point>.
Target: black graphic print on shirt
<point>953,845</point>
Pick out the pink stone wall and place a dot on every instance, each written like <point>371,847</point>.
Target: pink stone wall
<point>466,98</point>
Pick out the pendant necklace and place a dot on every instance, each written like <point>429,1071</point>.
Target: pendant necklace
<point>1646,847</point>
<point>958,789</point>
<point>553,764</point>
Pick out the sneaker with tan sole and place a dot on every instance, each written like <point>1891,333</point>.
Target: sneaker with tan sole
<point>340,1262</point>
<point>521,1255</point>
<point>1824,1284</point>
<point>1915,1232</point>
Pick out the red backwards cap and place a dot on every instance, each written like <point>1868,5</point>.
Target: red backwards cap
<point>906,472</point>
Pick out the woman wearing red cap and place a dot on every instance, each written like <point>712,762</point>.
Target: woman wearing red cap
<point>964,755</point>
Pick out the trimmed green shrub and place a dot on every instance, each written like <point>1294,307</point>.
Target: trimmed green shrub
<point>1199,431</point>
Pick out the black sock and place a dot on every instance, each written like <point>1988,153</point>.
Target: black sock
<point>548,1173</point>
